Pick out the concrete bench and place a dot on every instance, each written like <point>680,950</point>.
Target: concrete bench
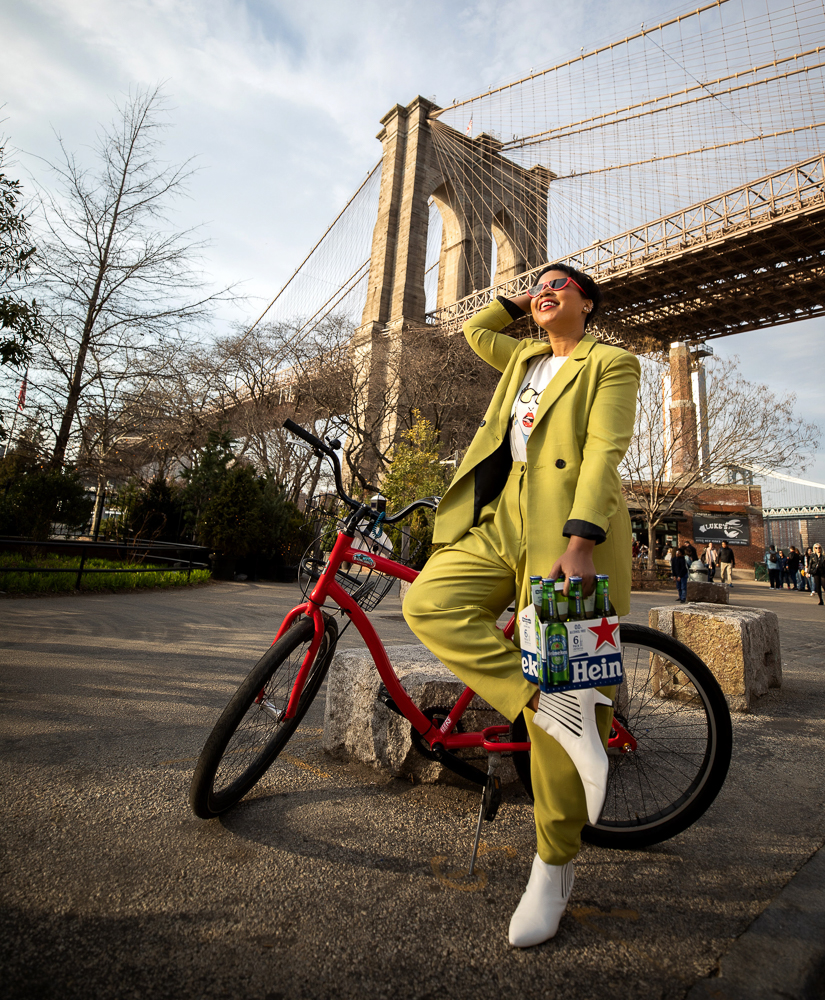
<point>740,645</point>
<point>357,726</point>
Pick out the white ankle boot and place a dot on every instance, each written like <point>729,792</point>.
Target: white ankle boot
<point>570,718</point>
<point>541,907</point>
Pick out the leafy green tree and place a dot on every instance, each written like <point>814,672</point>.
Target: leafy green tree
<point>232,519</point>
<point>33,497</point>
<point>19,317</point>
<point>416,472</point>
<point>205,477</point>
<point>156,511</point>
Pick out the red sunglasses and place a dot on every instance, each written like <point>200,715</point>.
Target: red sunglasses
<point>556,284</point>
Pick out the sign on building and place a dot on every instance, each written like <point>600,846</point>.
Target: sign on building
<point>731,528</point>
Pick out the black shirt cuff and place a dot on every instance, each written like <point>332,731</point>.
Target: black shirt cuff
<point>584,529</point>
<point>516,312</point>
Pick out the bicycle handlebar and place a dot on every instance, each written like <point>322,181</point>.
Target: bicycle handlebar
<point>329,451</point>
<point>319,445</point>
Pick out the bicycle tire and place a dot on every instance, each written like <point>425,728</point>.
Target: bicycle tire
<point>248,736</point>
<point>675,709</point>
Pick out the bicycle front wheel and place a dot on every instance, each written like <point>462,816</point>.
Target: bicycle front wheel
<point>252,730</point>
<point>673,707</point>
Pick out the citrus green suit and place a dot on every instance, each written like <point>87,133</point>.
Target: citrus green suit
<point>502,521</point>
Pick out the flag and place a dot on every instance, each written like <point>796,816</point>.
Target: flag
<point>470,126</point>
<point>21,396</point>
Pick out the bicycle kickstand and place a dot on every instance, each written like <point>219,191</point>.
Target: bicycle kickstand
<point>490,801</point>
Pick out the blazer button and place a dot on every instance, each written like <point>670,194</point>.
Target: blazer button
<point>483,422</point>
<point>560,463</point>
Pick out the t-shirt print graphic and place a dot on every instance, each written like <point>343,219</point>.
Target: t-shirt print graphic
<point>524,412</point>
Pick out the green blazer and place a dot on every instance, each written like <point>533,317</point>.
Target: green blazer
<point>580,434</point>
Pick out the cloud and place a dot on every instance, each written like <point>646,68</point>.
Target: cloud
<point>281,102</point>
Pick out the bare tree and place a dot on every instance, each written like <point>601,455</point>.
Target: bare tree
<point>115,275</point>
<point>255,391</point>
<point>378,392</point>
<point>747,425</point>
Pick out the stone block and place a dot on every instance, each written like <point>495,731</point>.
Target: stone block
<point>740,645</point>
<point>359,727</point>
<point>707,593</point>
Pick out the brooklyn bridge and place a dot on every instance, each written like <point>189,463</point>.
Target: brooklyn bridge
<point>682,166</point>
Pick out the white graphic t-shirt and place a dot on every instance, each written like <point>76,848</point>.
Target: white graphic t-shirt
<point>538,377</point>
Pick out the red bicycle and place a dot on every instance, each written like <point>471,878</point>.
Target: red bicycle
<point>669,749</point>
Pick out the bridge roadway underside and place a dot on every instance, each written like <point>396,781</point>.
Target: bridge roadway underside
<point>757,276</point>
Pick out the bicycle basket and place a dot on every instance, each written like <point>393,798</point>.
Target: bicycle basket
<point>364,584</point>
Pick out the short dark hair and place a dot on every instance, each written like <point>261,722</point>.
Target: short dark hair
<point>592,290</point>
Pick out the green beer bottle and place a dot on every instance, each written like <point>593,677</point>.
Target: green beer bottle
<point>557,646</point>
<point>535,590</point>
<point>561,600</point>
<point>544,616</point>
<point>602,595</point>
<point>576,600</point>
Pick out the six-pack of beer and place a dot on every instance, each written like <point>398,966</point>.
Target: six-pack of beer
<point>569,642</point>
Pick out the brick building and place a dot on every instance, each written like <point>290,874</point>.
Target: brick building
<point>729,512</point>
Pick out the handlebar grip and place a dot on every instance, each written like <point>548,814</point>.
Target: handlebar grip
<point>299,431</point>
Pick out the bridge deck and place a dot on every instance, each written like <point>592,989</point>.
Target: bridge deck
<point>749,258</point>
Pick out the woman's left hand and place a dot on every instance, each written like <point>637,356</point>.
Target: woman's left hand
<point>577,561</point>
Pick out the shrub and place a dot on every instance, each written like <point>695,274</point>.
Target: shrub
<point>35,498</point>
<point>416,472</point>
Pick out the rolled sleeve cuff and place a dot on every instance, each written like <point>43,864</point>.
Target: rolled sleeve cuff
<point>584,529</point>
<point>515,311</point>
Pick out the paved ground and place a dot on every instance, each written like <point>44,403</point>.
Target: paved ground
<point>331,880</point>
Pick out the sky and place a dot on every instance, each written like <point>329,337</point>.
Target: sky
<point>280,103</point>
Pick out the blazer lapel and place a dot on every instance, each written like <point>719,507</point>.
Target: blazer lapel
<point>531,349</point>
<point>568,372</point>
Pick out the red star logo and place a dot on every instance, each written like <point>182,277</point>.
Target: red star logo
<point>605,633</point>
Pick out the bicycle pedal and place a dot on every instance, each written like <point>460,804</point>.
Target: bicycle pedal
<point>386,699</point>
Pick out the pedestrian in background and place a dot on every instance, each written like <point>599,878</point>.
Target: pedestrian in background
<point>710,557</point>
<point>782,563</point>
<point>818,570</point>
<point>691,555</point>
<point>807,576</point>
<point>792,568</point>
<point>772,564</point>
<point>727,560</point>
<point>679,570</point>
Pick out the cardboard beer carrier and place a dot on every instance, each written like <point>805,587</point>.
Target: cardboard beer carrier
<point>594,651</point>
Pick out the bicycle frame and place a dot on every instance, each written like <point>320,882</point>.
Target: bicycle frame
<point>444,736</point>
<point>490,738</point>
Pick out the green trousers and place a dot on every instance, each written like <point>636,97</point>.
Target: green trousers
<point>453,607</point>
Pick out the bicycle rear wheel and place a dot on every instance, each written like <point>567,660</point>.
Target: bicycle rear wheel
<point>251,731</point>
<point>672,705</point>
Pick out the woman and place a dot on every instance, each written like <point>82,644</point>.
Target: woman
<point>710,557</point>
<point>817,567</point>
<point>782,564</point>
<point>538,493</point>
<point>679,570</point>
<point>807,576</point>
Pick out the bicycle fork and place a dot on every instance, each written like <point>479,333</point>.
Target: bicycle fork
<point>490,801</point>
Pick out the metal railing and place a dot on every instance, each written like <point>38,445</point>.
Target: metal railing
<point>146,551</point>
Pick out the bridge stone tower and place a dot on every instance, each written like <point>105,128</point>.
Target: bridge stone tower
<point>482,197</point>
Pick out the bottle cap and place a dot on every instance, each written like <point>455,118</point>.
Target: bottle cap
<point>575,579</point>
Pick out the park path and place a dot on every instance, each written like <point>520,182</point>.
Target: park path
<point>331,880</point>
